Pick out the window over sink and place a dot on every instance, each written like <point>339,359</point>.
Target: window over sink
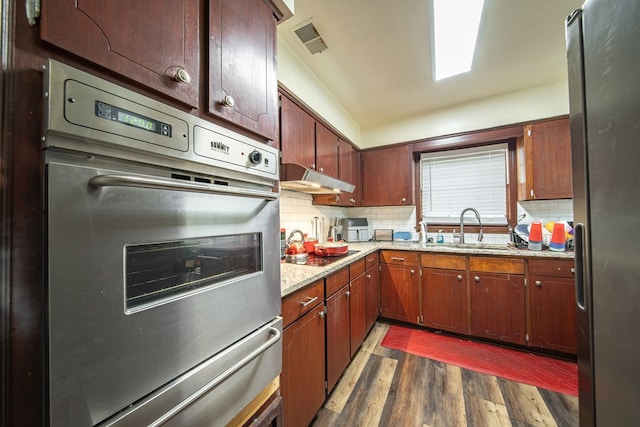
<point>475,177</point>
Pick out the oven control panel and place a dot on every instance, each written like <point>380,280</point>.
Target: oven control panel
<point>226,151</point>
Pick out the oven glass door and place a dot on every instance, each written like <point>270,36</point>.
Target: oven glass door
<point>160,272</point>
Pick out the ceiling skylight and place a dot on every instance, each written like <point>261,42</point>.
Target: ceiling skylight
<point>455,30</point>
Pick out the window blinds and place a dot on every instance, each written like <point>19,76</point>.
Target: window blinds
<point>455,180</point>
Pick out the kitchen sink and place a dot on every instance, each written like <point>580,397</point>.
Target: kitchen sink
<point>473,245</point>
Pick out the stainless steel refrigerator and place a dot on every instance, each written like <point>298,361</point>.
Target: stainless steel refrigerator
<point>603,49</point>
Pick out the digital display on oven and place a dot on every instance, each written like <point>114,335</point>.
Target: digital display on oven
<point>113,113</point>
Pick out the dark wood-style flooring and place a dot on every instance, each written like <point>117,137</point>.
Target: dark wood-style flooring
<point>383,387</point>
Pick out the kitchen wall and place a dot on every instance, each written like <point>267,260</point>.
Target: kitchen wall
<point>540,102</point>
<point>297,211</point>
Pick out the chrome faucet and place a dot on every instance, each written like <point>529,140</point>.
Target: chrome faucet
<point>480,234</point>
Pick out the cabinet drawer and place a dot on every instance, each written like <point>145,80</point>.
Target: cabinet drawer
<point>356,268</point>
<point>399,257</point>
<point>552,267</point>
<point>448,262</point>
<point>295,305</point>
<point>337,280</point>
<point>371,260</point>
<point>497,265</point>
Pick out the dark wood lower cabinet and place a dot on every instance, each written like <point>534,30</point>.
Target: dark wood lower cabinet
<point>303,368</point>
<point>553,313</point>
<point>372,278</point>
<point>498,307</point>
<point>400,292</point>
<point>357,312</point>
<point>338,335</point>
<point>444,300</point>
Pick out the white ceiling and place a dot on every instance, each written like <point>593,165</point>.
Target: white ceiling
<point>378,64</point>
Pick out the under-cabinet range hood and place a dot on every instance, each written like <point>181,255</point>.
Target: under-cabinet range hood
<point>298,178</point>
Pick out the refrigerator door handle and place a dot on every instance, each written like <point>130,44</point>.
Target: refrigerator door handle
<point>578,236</point>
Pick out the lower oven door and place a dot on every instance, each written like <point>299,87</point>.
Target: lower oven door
<point>148,279</point>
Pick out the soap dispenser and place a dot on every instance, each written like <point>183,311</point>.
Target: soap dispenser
<point>423,231</point>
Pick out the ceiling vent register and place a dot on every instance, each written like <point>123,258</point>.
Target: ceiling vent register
<point>310,37</point>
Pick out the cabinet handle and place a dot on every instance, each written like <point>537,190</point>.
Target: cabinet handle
<point>533,195</point>
<point>182,76</point>
<point>573,270</point>
<point>538,283</point>
<point>394,258</point>
<point>459,277</point>
<point>228,101</point>
<point>476,279</point>
<point>308,301</point>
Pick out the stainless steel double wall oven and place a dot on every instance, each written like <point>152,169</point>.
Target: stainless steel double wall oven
<point>163,279</point>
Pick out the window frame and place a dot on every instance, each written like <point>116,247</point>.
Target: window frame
<point>508,135</point>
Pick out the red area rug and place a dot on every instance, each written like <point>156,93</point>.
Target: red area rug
<point>540,371</point>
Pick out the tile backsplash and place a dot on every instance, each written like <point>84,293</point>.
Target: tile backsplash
<point>297,211</point>
<point>546,210</point>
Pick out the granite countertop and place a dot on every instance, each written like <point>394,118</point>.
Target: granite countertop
<point>294,277</point>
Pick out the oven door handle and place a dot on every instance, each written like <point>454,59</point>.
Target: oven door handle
<point>223,376</point>
<point>172,184</point>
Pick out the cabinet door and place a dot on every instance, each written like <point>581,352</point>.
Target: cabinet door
<point>400,292</point>
<point>358,311</point>
<point>109,34</point>
<point>326,151</point>
<point>242,65</point>
<point>444,299</point>
<point>298,135</point>
<point>387,176</point>
<point>338,336</point>
<point>553,313</point>
<point>303,368</point>
<point>349,171</point>
<point>544,157</point>
<point>372,277</point>
<point>498,307</point>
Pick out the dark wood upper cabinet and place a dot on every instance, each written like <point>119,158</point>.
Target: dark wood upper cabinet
<point>297,129</point>
<point>242,65</point>
<point>349,171</point>
<point>544,161</point>
<point>326,151</point>
<point>165,56</point>
<point>387,176</point>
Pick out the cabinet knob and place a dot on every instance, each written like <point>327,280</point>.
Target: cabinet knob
<point>321,169</point>
<point>459,277</point>
<point>404,199</point>
<point>228,101</point>
<point>368,276</point>
<point>347,293</point>
<point>476,279</point>
<point>533,195</point>
<point>412,271</point>
<point>538,283</point>
<point>182,76</point>
<point>353,201</point>
<point>321,314</point>
<point>312,165</point>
